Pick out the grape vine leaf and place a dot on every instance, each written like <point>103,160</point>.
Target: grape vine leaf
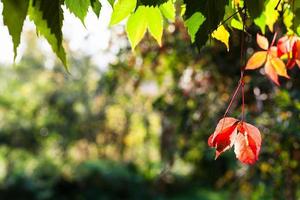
<point>78,7</point>
<point>47,15</point>
<point>14,14</point>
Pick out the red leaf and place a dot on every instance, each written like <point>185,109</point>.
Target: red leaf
<point>286,46</point>
<point>245,138</point>
<point>281,46</point>
<point>223,137</point>
<point>256,60</point>
<point>247,143</point>
<point>262,42</point>
<point>296,52</point>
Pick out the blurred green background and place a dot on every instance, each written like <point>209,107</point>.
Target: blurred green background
<point>139,128</point>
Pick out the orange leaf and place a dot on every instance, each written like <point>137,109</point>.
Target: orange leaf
<point>262,42</point>
<point>270,71</point>
<point>256,60</point>
<point>247,143</point>
<point>279,67</point>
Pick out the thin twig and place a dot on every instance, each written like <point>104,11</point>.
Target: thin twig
<point>231,16</point>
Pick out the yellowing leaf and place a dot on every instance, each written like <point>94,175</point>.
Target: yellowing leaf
<point>279,67</point>
<point>222,35</point>
<point>136,26</point>
<point>271,14</point>
<point>121,10</point>
<point>256,60</point>
<point>155,23</point>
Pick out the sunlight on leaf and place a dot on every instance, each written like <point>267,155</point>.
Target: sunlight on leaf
<point>193,24</point>
<point>136,26</point>
<point>121,10</point>
<point>155,23</point>
<point>168,10</point>
<point>78,7</point>
<point>222,35</point>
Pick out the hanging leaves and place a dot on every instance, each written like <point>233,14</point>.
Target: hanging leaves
<point>144,17</point>
<point>136,26</point>
<point>121,10</point>
<point>14,14</point>
<point>245,138</point>
<point>202,19</point>
<point>78,7</point>
<point>48,17</point>
<point>168,10</point>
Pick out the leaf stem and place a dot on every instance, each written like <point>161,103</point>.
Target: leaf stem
<point>273,40</point>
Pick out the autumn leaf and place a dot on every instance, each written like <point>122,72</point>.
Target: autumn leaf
<point>245,138</point>
<point>257,60</point>
<point>222,138</point>
<point>285,49</point>
<point>273,65</point>
<point>262,42</point>
<point>295,57</point>
<point>247,143</point>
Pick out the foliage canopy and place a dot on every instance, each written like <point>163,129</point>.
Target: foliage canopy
<point>203,19</point>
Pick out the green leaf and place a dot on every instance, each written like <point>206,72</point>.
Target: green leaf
<point>236,24</point>
<point>168,10</point>
<point>111,2</point>
<point>212,10</point>
<point>222,35</point>
<point>193,24</point>
<point>121,10</point>
<point>78,7</point>
<point>155,23</point>
<point>96,5</point>
<point>288,19</point>
<point>48,18</point>
<point>261,23</point>
<point>14,14</point>
<point>137,25</point>
<point>268,17</point>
